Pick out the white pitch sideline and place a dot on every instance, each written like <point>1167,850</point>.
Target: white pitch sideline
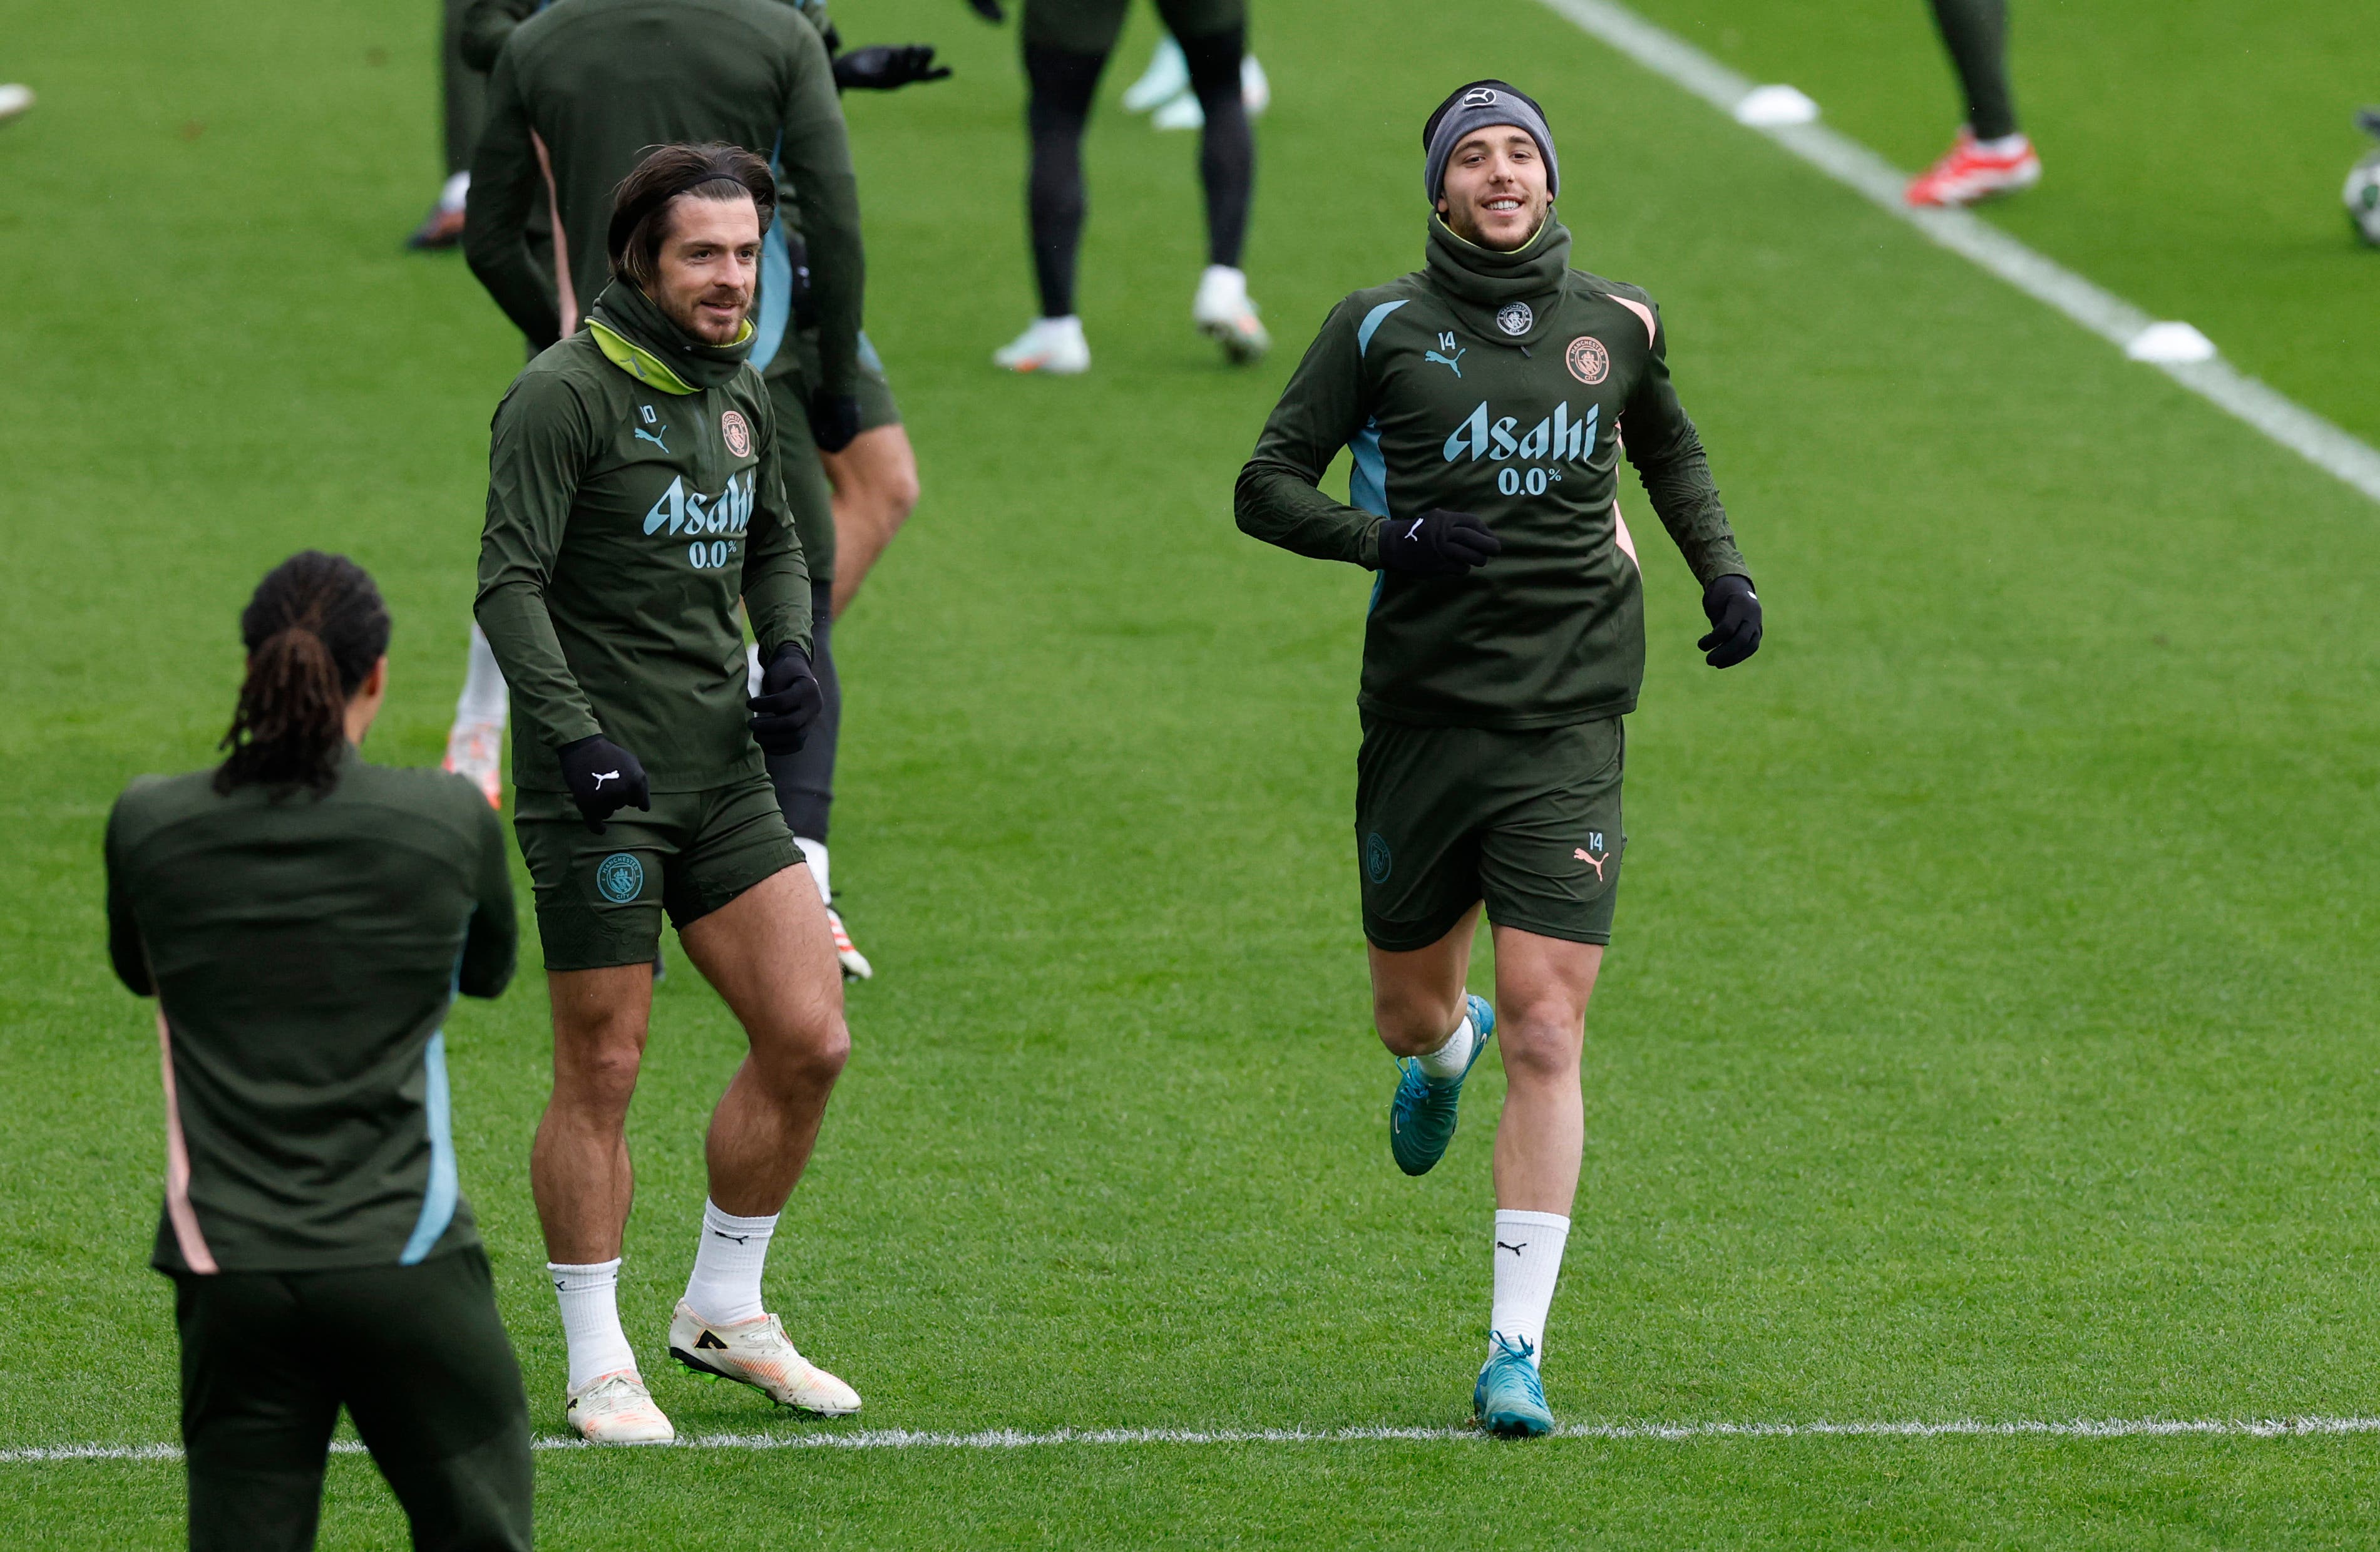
<point>1846,161</point>
<point>1670,1433</point>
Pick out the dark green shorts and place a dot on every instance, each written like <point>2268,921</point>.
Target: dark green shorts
<point>876,403</point>
<point>599,898</point>
<point>1529,821</point>
<point>1092,26</point>
<point>415,1354</point>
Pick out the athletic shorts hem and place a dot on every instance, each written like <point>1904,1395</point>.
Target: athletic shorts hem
<point>1394,938</point>
<point>1599,937</point>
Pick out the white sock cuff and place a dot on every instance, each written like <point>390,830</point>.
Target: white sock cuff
<point>814,852</point>
<point>713,1217</point>
<point>582,1277</point>
<point>1509,1217</point>
<point>1454,1056</point>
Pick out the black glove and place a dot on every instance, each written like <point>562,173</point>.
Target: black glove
<point>1734,611</point>
<point>603,779</point>
<point>989,9</point>
<point>835,420</point>
<point>882,67</point>
<point>788,703</point>
<point>1436,543</point>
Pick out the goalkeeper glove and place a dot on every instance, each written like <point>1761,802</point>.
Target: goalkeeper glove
<point>1734,612</point>
<point>1436,543</point>
<point>604,779</point>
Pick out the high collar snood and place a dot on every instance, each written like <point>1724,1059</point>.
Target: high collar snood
<point>1482,280</point>
<point>647,345</point>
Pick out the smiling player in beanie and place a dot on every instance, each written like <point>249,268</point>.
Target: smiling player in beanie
<point>1483,399</point>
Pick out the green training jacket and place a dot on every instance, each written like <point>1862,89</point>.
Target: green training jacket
<point>304,952</point>
<point>1501,385</point>
<point>584,87</point>
<point>633,495</point>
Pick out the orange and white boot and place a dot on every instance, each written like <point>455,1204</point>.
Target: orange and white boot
<point>1973,170</point>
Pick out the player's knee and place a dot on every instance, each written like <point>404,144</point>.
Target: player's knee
<point>1541,1039</point>
<point>1410,1024</point>
<point>808,1056</point>
<point>897,489</point>
<point>596,1073</point>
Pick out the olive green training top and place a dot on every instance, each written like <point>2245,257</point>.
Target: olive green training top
<point>1500,384</point>
<point>633,494</point>
<point>583,88</point>
<point>304,952</point>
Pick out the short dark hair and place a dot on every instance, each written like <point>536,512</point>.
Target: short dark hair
<point>313,629</point>
<point>641,205</point>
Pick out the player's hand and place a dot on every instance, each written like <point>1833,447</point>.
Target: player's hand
<point>788,703</point>
<point>989,9</point>
<point>835,420</point>
<point>883,66</point>
<point>1436,543</point>
<point>604,779</point>
<point>1734,611</point>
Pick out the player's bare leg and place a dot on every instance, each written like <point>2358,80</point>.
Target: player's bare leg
<point>1542,986</point>
<point>772,958</point>
<point>580,1177</point>
<point>875,482</point>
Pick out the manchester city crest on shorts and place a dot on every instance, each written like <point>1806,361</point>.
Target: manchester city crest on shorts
<point>1376,858</point>
<point>1515,319</point>
<point>621,877</point>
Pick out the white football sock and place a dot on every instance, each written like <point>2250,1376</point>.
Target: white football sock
<point>752,672</point>
<point>725,1287</point>
<point>2007,145</point>
<point>454,192</point>
<point>590,1320</point>
<point>1528,1258</point>
<point>814,851</point>
<point>1449,1060</point>
<point>483,698</point>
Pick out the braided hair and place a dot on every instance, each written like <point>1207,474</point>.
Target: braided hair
<point>313,630</point>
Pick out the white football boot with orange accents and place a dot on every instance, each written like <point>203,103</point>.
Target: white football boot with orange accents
<point>475,749</point>
<point>616,1408</point>
<point>1054,345</point>
<point>757,1353</point>
<point>1223,313</point>
<point>855,964</point>
<point>1974,170</point>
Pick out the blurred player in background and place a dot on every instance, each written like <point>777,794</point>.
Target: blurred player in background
<point>1163,90</point>
<point>633,497</point>
<point>462,93</point>
<point>872,480</point>
<point>1482,400</point>
<point>1991,155</point>
<point>305,920</point>
<point>1065,45</point>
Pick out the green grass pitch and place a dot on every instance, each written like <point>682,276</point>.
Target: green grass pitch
<point>1988,1033</point>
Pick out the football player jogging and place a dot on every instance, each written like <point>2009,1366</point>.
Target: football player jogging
<point>1991,156</point>
<point>304,918</point>
<point>632,497</point>
<point>1483,399</point>
<point>576,93</point>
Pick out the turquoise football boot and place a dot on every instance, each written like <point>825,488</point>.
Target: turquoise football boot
<point>1510,1399</point>
<point>1421,1115</point>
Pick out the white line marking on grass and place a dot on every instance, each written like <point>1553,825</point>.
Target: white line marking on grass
<point>2109,316</point>
<point>1017,1438</point>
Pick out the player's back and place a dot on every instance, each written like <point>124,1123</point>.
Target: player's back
<point>605,80</point>
<point>304,950</point>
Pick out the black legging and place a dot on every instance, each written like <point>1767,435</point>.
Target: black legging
<point>1975,31</point>
<point>805,778</point>
<point>1063,85</point>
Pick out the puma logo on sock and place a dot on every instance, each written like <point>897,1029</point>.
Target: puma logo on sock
<point>1515,1249</point>
<point>739,1239</point>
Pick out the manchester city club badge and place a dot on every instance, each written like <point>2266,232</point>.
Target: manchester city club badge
<point>1515,319</point>
<point>1587,360</point>
<point>738,434</point>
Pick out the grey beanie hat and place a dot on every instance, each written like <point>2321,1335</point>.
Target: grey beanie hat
<point>1475,106</point>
